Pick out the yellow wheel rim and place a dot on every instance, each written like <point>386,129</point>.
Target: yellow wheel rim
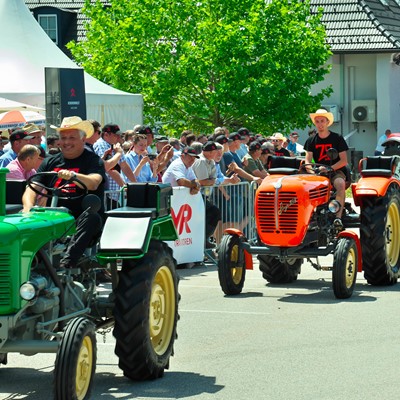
<point>351,268</point>
<point>236,271</point>
<point>162,310</point>
<point>392,232</point>
<point>84,368</point>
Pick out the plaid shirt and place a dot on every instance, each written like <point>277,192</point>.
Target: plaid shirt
<point>100,147</point>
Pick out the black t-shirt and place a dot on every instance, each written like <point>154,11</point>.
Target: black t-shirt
<point>319,147</point>
<point>87,163</point>
<point>282,152</point>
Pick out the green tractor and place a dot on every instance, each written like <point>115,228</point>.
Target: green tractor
<point>47,310</point>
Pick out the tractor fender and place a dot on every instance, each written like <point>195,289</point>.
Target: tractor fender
<point>129,234</point>
<point>371,186</point>
<point>248,258</point>
<point>354,236</point>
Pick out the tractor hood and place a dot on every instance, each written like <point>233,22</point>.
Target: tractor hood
<point>35,228</point>
<point>284,205</point>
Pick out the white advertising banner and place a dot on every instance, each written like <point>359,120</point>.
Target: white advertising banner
<point>188,213</point>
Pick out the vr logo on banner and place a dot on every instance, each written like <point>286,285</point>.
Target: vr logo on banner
<point>181,220</point>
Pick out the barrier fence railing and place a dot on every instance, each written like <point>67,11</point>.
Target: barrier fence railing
<point>235,202</point>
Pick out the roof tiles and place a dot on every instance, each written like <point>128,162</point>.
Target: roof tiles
<point>351,25</point>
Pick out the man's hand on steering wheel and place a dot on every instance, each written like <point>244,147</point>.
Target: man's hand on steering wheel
<point>66,174</point>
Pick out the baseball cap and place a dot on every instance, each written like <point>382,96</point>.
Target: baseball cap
<point>221,139</point>
<point>243,132</point>
<point>144,130</point>
<point>266,150</point>
<point>42,151</point>
<point>19,134</point>
<point>209,146</point>
<point>190,151</point>
<point>235,136</point>
<point>112,128</point>
<point>160,138</point>
<point>253,146</point>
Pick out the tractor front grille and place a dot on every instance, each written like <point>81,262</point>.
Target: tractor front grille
<point>277,215</point>
<point>318,193</point>
<point>5,279</point>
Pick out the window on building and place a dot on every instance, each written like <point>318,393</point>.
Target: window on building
<point>49,25</point>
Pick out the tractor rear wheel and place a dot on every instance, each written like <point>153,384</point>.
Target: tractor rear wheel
<point>146,313</point>
<point>380,237</point>
<point>276,271</point>
<point>344,274</point>
<point>76,361</point>
<point>231,265</point>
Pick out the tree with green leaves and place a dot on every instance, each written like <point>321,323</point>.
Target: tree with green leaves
<point>215,62</point>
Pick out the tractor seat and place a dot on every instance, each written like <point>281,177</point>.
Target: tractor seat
<point>383,166</point>
<point>284,165</point>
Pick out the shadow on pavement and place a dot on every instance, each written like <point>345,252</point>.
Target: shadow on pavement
<point>38,385</point>
<point>174,385</point>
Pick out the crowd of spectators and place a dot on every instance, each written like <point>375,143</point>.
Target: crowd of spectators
<point>212,164</point>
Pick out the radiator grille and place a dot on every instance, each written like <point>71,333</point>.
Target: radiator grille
<point>320,192</point>
<point>5,279</point>
<point>287,212</point>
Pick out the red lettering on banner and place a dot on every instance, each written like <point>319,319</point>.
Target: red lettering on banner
<point>182,218</point>
<point>323,151</point>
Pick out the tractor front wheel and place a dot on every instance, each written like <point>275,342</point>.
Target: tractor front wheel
<point>146,313</point>
<point>231,265</point>
<point>344,274</point>
<point>76,361</point>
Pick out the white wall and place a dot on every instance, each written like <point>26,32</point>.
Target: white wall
<point>364,77</point>
<point>388,89</point>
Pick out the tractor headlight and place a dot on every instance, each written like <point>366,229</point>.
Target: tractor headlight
<point>334,206</point>
<point>28,291</point>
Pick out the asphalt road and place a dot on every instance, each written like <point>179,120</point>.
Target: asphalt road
<point>278,342</point>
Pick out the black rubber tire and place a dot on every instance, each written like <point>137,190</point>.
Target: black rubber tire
<point>344,272</point>
<point>146,313</point>
<point>76,361</point>
<point>275,271</point>
<point>380,238</point>
<point>231,265</point>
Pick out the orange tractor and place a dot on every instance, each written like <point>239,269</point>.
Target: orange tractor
<point>295,213</point>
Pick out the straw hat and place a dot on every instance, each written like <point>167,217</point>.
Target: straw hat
<point>278,136</point>
<point>322,113</point>
<point>75,123</point>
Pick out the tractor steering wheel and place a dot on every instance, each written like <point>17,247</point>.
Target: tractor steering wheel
<point>315,168</point>
<point>61,191</point>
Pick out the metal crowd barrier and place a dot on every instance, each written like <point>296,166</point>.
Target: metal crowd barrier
<point>235,202</point>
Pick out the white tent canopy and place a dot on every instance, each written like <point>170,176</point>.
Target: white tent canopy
<point>10,105</point>
<point>26,52</point>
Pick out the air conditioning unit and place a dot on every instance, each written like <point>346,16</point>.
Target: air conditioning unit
<point>363,111</point>
<point>334,109</point>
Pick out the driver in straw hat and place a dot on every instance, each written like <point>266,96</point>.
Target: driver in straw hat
<point>73,162</point>
<point>316,148</point>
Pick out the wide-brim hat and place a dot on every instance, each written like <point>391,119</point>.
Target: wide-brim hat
<point>31,128</point>
<point>278,136</point>
<point>75,123</point>
<point>322,113</point>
